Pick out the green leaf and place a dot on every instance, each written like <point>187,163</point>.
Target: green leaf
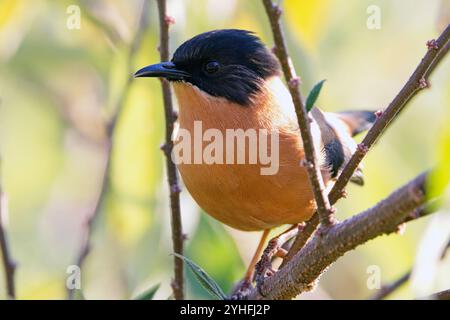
<point>148,294</point>
<point>203,278</point>
<point>313,95</point>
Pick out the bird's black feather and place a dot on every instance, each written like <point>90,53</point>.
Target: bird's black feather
<point>244,63</point>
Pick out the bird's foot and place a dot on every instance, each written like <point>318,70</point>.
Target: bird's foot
<point>274,249</point>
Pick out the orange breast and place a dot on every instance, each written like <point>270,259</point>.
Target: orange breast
<point>238,194</point>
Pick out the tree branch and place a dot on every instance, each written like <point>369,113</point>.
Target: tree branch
<point>170,115</point>
<point>388,289</point>
<point>110,126</point>
<point>311,163</point>
<point>437,49</point>
<point>9,264</point>
<point>320,252</point>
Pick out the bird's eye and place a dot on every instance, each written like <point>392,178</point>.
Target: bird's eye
<point>212,67</point>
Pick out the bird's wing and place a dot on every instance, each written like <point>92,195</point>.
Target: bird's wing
<point>332,147</point>
<point>337,144</point>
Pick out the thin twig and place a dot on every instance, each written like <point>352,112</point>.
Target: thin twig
<point>388,289</point>
<point>418,81</point>
<point>311,163</point>
<point>110,126</point>
<point>301,273</point>
<point>437,49</point>
<point>174,188</point>
<point>9,265</point>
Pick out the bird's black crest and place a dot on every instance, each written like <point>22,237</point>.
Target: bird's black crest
<point>242,63</point>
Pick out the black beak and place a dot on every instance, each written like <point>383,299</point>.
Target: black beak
<point>166,70</point>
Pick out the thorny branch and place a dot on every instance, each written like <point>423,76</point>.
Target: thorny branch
<point>437,49</point>
<point>9,264</point>
<point>307,260</point>
<point>311,163</point>
<point>110,126</point>
<point>418,81</point>
<point>174,188</point>
<point>301,273</point>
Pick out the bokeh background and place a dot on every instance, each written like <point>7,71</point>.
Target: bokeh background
<point>59,87</point>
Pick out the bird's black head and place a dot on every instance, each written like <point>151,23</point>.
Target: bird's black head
<point>224,63</point>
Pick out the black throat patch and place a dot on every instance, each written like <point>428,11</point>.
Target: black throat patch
<point>227,63</point>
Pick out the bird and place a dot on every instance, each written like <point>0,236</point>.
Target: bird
<point>228,79</point>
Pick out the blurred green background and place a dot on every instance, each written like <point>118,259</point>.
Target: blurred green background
<point>58,87</point>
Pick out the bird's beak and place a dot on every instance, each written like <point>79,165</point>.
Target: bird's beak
<point>166,70</point>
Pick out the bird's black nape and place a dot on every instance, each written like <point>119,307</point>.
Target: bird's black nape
<point>226,63</point>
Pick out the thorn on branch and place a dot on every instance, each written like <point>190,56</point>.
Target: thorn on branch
<point>423,83</point>
<point>294,82</point>
<point>415,214</point>
<point>306,164</point>
<point>432,45</point>
<point>332,221</point>
<point>417,194</point>
<point>344,194</point>
<point>277,11</point>
<point>378,113</point>
<point>401,228</point>
<point>169,20</point>
<point>175,188</point>
<point>363,148</point>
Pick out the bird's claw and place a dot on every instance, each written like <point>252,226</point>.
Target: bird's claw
<point>274,249</point>
<point>264,266</point>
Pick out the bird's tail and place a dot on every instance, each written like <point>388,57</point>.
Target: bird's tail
<point>357,121</point>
